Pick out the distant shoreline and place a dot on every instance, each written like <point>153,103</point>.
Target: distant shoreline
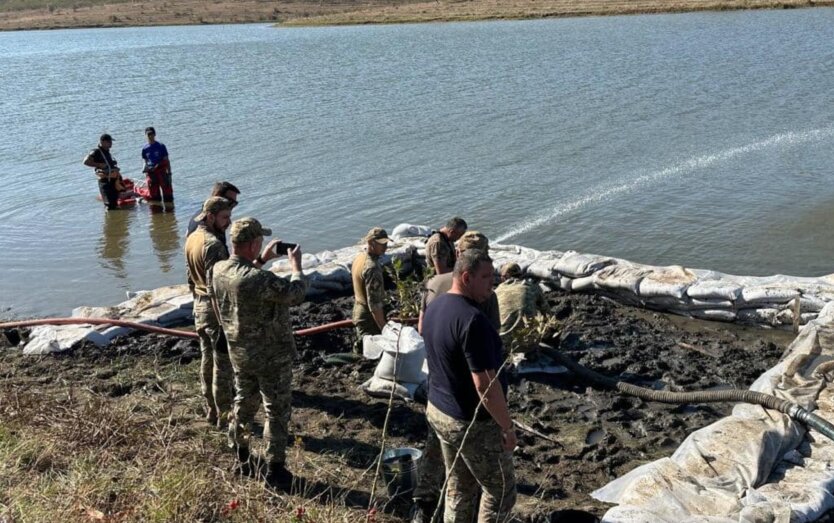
<point>314,13</point>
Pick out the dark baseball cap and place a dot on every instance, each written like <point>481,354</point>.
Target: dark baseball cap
<point>150,130</point>
<point>105,138</point>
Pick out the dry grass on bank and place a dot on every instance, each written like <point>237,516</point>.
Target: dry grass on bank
<point>76,454</point>
<point>49,14</point>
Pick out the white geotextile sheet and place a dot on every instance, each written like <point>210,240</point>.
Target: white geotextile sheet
<point>755,465</point>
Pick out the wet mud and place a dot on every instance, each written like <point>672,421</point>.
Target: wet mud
<point>594,435</point>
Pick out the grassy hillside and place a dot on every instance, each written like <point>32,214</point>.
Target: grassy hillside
<point>50,14</point>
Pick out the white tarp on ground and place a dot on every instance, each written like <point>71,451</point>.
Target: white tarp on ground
<point>163,306</point>
<point>756,465</point>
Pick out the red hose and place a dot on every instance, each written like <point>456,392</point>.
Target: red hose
<point>327,327</point>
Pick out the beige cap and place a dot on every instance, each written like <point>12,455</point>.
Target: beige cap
<point>214,205</point>
<point>511,270</point>
<point>473,240</point>
<point>378,235</point>
<point>247,229</point>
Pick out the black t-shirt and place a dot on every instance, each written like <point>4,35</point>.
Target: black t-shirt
<point>459,341</point>
<point>193,223</point>
<point>99,155</point>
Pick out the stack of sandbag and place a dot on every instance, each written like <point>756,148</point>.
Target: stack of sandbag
<point>328,272</point>
<point>162,307</point>
<point>401,367</point>
<point>771,301</point>
<point>755,465</point>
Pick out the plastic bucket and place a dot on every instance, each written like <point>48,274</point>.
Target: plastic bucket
<point>399,470</point>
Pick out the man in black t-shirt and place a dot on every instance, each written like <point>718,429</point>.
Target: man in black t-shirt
<point>223,190</point>
<point>464,355</point>
<point>106,170</point>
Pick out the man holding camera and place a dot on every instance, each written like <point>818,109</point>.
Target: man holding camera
<point>369,286</point>
<point>253,306</point>
<point>203,250</point>
<point>106,170</point>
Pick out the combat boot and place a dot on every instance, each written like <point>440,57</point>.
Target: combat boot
<point>279,477</point>
<point>421,512</point>
<point>246,465</point>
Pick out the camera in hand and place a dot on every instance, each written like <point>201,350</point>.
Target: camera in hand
<point>282,248</point>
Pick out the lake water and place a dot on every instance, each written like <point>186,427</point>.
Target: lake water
<point>698,139</point>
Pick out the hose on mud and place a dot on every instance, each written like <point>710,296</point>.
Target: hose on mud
<point>792,410</point>
<point>318,329</point>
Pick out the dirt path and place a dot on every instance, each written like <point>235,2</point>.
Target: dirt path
<point>600,435</point>
<point>190,12</point>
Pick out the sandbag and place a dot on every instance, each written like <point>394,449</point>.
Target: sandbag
<point>714,290</point>
<point>766,294</point>
<point>407,230</point>
<point>382,388</point>
<point>543,269</point>
<point>620,277</point>
<point>576,265</point>
<point>758,316</point>
<point>409,361</point>
<point>666,281</point>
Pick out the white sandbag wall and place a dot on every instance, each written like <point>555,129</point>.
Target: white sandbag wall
<point>754,465</point>
<point>764,301</point>
<point>328,272</point>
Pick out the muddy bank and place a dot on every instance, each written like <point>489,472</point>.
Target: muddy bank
<point>600,435</point>
<point>96,13</point>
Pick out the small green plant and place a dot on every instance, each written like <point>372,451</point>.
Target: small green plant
<point>529,332</point>
<point>409,290</point>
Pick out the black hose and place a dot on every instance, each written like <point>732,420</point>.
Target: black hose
<point>768,401</point>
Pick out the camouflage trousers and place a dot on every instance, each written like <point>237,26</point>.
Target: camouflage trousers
<point>216,381</point>
<point>431,472</point>
<point>483,465</point>
<point>262,376</point>
<point>364,323</point>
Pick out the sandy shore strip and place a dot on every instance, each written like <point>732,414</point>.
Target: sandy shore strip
<point>41,14</point>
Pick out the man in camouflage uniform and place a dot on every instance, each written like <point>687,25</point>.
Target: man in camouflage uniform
<point>464,354</point>
<point>440,247</point>
<point>518,299</point>
<point>253,307</point>
<point>203,250</point>
<point>431,472</point>
<point>368,286</point>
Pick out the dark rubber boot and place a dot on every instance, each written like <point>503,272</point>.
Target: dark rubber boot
<point>279,477</point>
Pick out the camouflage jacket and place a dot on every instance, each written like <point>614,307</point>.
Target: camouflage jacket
<point>368,282</point>
<point>254,304</point>
<point>439,247</point>
<point>519,298</point>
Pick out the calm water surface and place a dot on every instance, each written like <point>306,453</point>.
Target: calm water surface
<point>698,139</point>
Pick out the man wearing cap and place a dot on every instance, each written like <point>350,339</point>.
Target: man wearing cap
<point>440,247</point>
<point>224,190</point>
<point>518,299</point>
<point>253,306</point>
<point>369,286</point>
<point>431,471</point>
<point>106,170</point>
<point>467,406</point>
<point>203,250</point>
<point>157,170</point>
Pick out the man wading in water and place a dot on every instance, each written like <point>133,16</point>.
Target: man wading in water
<point>106,170</point>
